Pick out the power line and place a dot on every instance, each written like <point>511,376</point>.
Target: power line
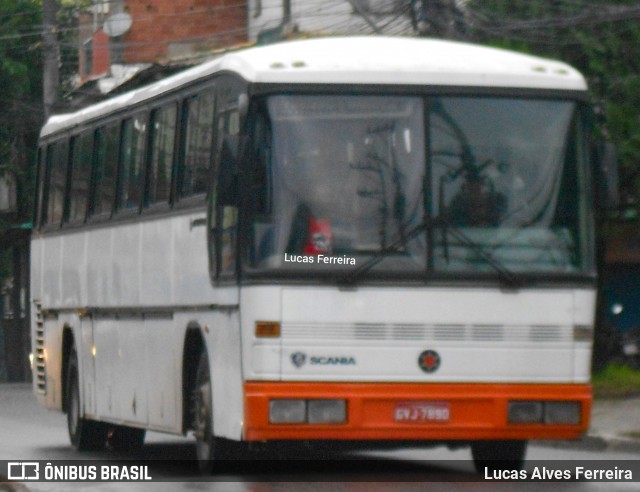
<point>586,17</point>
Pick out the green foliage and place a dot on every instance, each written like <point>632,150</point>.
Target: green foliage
<point>20,89</point>
<point>20,68</point>
<point>607,53</point>
<point>616,381</point>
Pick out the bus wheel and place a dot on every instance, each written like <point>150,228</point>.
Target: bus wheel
<point>126,439</point>
<point>85,435</point>
<point>498,455</point>
<point>208,448</point>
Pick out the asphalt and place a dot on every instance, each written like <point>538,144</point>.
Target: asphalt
<point>616,422</point>
<point>615,426</point>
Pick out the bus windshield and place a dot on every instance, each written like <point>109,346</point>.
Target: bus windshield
<point>495,181</point>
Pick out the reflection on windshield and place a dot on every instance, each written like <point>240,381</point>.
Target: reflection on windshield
<point>347,176</point>
<point>343,178</point>
<point>510,174</point>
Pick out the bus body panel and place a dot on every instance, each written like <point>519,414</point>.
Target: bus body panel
<point>138,286</point>
<point>153,263</point>
<point>224,348</point>
<point>378,334</point>
<point>473,411</point>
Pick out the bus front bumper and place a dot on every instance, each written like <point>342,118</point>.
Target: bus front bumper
<point>414,411</point>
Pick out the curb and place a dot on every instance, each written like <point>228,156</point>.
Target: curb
<point>596,442</point>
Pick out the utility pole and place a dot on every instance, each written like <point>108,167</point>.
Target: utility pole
<point>51,62</point>
<point>286,12</point>
<point>363,13</point>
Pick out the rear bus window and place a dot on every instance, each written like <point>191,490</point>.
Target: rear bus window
<point>57,158</point>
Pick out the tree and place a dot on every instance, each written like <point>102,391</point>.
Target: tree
<point>20,119</point>
<point>599,38</point>
<point>20,93</point>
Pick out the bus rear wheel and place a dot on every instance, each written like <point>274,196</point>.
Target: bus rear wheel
<point>490,456</point>
<point>85,434</point>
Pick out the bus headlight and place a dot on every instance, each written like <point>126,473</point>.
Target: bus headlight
<point>525,412</point>
<point>562,412</point>
<point>282,411</point>
<point>327,411</point>
<point>287,411</point>
<point>544,412</point>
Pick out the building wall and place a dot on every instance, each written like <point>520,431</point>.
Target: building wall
<point>172,29</point>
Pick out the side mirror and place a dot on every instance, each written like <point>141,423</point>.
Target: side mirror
<point>608,179</point>
<point>228,189</point>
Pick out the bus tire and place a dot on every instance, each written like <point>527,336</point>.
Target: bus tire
<point>498,455</point>
<point>209,449</point>
<point>85,434</point>
<point>125,439</point>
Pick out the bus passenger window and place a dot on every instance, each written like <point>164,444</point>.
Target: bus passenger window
<point>163,143</point>
<point>81,156</point>
<point>134,132</point>
<point>39,212</point>
<point>106,166</point>
<point>224,219</point>
<point>198,143</point>
<point>57,157</point>
<point>260,189</point>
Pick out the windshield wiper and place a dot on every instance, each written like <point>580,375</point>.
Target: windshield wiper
<point>357,272</point>
<point>504,274</point>
<point>509,278</point>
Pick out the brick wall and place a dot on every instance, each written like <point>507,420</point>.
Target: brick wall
<point>174,29</point>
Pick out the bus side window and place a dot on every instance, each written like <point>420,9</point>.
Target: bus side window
<point>223,219</point>
<point>260,191</point>
<point>198,142</point>
<point>163,138</point>
<point>105,170</point>
<point>39,213</point>
<point>79,176</point>
<point>131,173</point>
<point>260,185</point>
<point>55,181</point>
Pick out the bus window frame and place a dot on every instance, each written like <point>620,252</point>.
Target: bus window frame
<point>44,224</point>
<point>120,211</point>
<point>40,188</point>
<point>67,222</point>
<point>228,94</point>
<point>148,207</point>
<point>196,199</point>
<point>92,216</point>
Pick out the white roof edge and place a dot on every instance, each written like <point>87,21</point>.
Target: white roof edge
<point>353,60</point>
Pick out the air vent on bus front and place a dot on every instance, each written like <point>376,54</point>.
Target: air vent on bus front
<point>39,360</point>
<point>427,332</point>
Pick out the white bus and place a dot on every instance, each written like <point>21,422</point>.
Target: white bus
<point>358,239</point>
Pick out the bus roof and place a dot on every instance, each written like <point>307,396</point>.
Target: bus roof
<point>359,60</point>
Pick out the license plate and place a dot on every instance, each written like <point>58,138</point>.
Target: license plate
<point>422,412</point>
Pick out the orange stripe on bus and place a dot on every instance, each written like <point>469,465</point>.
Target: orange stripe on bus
<point>477,411</point>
